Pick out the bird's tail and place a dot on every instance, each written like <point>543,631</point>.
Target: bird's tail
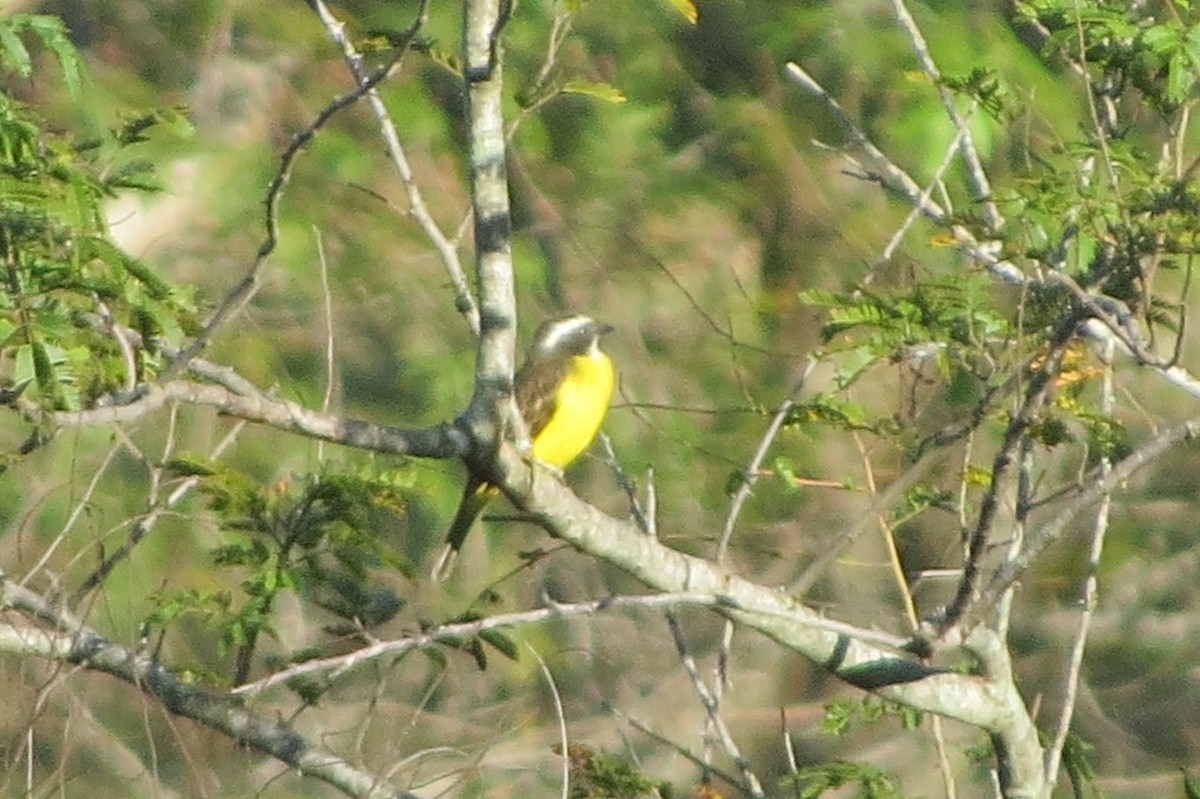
<point>476,496</point>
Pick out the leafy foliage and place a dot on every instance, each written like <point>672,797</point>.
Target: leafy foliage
<point>1120,235</point>
<point>79,318</point>
<point>811,782</point>
<point>1080,771</point>
<point>52,34</point>
<point>318,540</point>
<point>1191,786</point>
<point>842,715</point>
<point>599,775</point>
<point>1160,57</point>
<point>712,144</point>
<point>949,319</point>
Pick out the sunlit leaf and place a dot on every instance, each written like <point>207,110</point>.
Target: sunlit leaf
<point>601,91</point>
<point>687,9</point>
<point>13,53</point>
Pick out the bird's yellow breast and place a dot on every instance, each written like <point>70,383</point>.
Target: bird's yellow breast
<point>582,402</point>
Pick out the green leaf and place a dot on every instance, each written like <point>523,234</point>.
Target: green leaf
<point>828,410</point>
<point>815,781</point>
<point>43,369</point>
<point>596,774</point>
<point>188,465</point>
<point>1161,39</point>
<point>601,91</point>
<point>155,286</point>
<point>733,481</point>
<point>1191,786</point>
<point>687,9</point>
<point>839,714</point>
<point>501,642</point>
<point>13,53</point>
<point>785,472</point>
<point>855,364</point>
<point>53,34</point>
<point>137,175</point>
<point>47,366</point>
<point>1180,77</point>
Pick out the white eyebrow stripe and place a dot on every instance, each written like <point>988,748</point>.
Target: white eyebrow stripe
<point>563,329</point>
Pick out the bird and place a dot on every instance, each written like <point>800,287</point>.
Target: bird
<point>562,391</point>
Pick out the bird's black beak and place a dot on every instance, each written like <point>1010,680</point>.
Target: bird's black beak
<point>602,328</point>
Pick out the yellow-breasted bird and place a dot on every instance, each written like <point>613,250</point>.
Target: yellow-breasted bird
<point>562,391</point>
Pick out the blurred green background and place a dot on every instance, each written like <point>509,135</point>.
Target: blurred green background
<point>690,217</point>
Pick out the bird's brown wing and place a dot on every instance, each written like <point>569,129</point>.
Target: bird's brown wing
<point>536,387</point>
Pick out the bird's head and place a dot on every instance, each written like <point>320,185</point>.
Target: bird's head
<point>568,335</point>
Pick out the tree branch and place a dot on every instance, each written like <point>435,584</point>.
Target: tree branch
<point>72,642</point>
<point>1096,490</point>
<point>439,441</point>
<point>991,703</point>
<point>447,248</point>
<point>491,405</point>
<point>247,287</point>
<point>339,664</point>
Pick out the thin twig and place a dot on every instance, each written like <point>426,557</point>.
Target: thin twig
<point>1016,540</point>
<point>751,473</point>
<point>1099,129</point>
<point>627,486</point>
<point>80,506</point>
<point>1089,599</point>
<point>896,179</point>
<point>327,396</point>
<point>560,28</point>
<point>144,525</point>
<point>241,294</point>
<point>915,211</point>
<point>122,338</point>
<point>1039,384</point>
<point>446,247</point>
<point>712,711</point>
<point>789,751</point>
<point>679,749</point>
<point>1093,492</point>
<point>975,171</point>
<point>878,506</point>
<point>70,641</point>
<point>910,611</point>
<point>561,715</point>
<point>342,663</point>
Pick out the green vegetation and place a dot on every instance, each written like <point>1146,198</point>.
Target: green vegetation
<point>957,340</point>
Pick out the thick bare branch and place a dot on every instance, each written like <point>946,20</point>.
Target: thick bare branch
<point>72,642</point>
<point>991,703</point>
<point>496,360</point>
<point>440,441</point>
